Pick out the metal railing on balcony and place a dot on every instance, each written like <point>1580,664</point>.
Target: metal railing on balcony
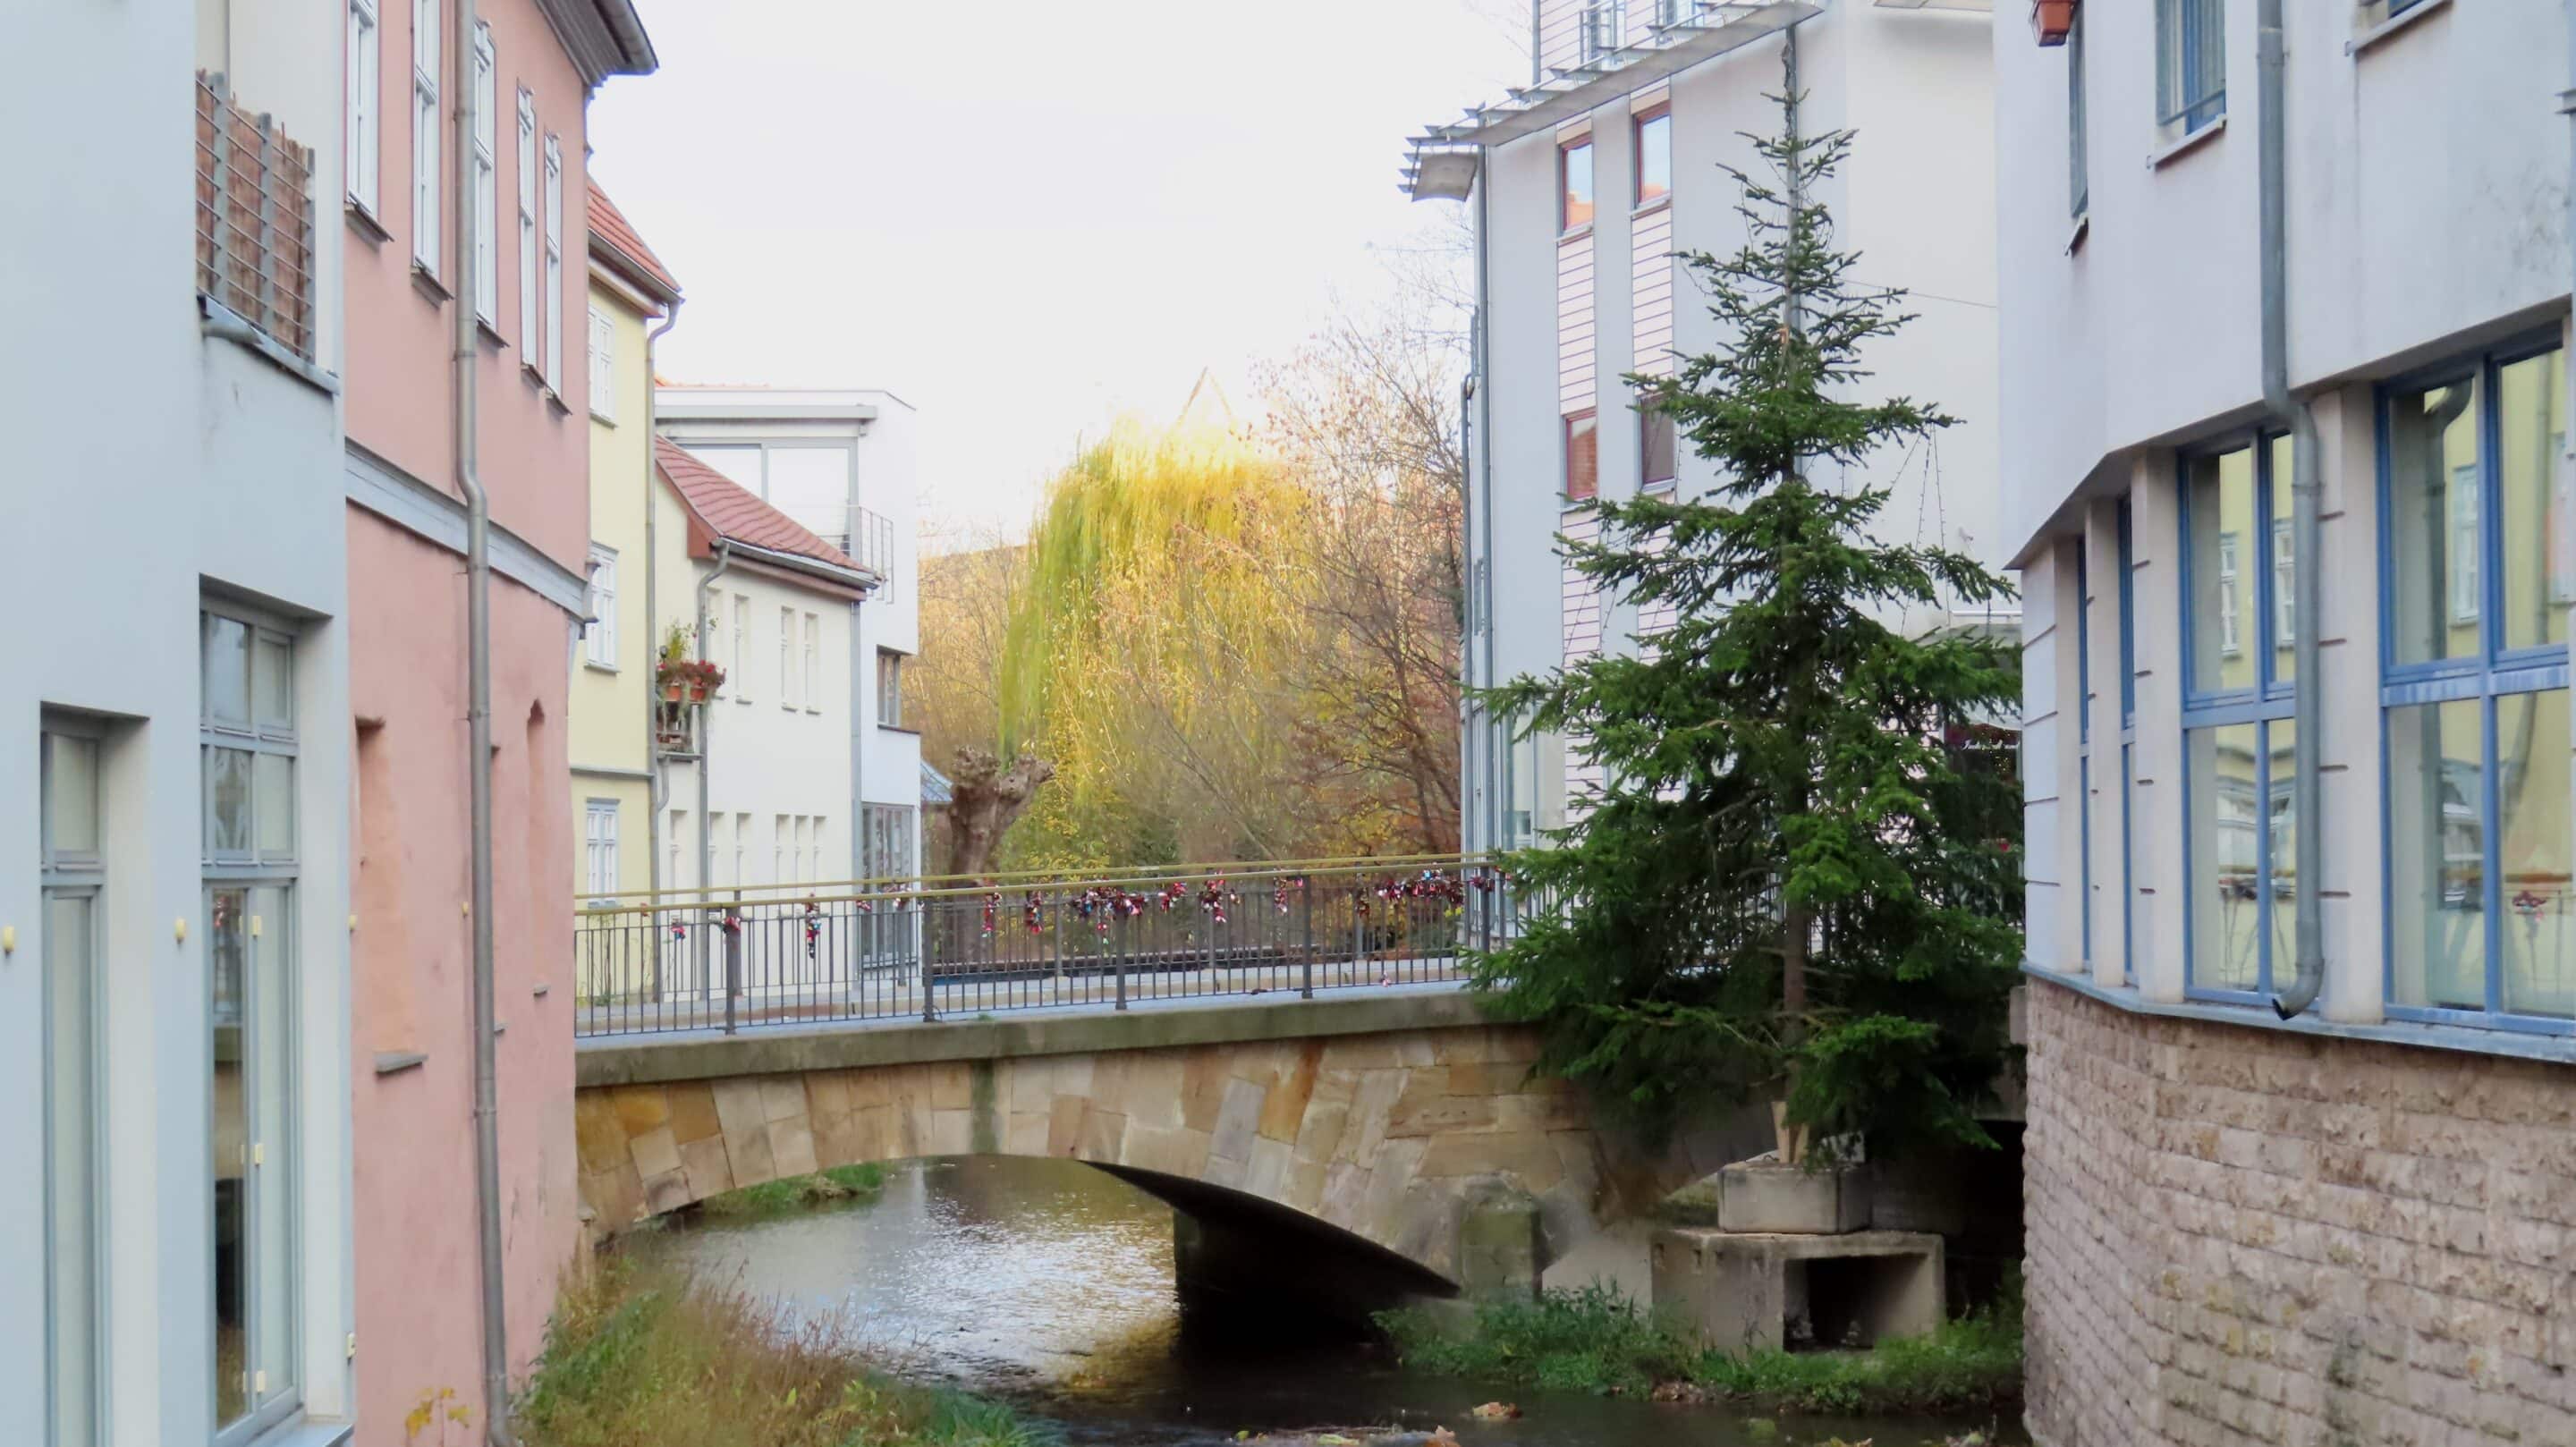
<point>733,959</point>
<point>1604,30</point>
<point>254,219</point>
<point>872,547</point>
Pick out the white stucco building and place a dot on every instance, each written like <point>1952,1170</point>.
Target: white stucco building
<point>174,733</point>
<point>1583,189</point>
<point>840,465</point>
<point>2351,1194</point>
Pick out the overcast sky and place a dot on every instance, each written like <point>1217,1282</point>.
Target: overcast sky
<point>1026,216</point>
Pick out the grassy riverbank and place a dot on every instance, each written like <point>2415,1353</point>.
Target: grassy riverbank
<point>796,1192</point>
<point>1597,1340</point>
<point>638,1357</point>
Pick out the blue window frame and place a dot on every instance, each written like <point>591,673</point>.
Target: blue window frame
<point>2191,63</point>
<point>2239,830</point>
<point>2127,568</point>
<point>2084,746</point>
<point>2476,582</point>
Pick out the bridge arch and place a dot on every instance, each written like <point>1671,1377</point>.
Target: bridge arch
<point>1385,1118</point>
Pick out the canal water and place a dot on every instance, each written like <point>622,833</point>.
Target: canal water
<point>1049,1284</point>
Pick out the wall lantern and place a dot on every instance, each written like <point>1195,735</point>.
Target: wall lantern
<point>2051,19</point>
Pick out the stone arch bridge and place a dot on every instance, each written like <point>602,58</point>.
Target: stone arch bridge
<point>1402,1120</point>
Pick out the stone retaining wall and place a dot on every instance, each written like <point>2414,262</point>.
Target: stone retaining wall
<point>2238,1236</point>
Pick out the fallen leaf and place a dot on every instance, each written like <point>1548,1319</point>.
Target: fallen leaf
<point>1497,1412</point>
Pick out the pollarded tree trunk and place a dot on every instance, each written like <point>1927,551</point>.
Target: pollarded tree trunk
<point>986,800</point>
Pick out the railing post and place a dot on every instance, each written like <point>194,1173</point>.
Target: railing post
<point>929,1010</point>
<point>1121,966</point>
<point>267,320</point>
<point>219,259</point>
<point>1306,913</point>
<point>732,929</point>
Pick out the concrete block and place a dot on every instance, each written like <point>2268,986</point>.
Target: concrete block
<point>1499,1245</point>
<point>1742,1291</point>
<point>1765,1196</point>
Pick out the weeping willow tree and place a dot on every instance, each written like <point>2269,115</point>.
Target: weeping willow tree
<point>1150,652</point>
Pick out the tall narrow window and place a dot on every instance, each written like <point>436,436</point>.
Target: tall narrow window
<point>2191,64</point>
<point>1582,456</point>
<point>787,675</point>
<point>2079,184</point>
<point>554,265</point>
<point>1574,171</point>
<point>889,688</point>
<point>599,847</point>
<point>248,749</point>
<point>2481,848</point>
<point>813,663</point>
<point>603,366</point>
<point>424,134</point>
<point>366,108</point>
<point>1655,449</point>
<point>2084,743</point>
<point>599,640</point>
<point>1654,156</point>
<point>738,678</point>
<point>780,862</point>
<point>487,183</point>
<point>2126,559</point>
<point>528,342</point>
<point>2240,832</point>
<point>72,875</point>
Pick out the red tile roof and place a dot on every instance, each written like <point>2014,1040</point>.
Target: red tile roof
<point>610,228</point>
<point>730,510</point>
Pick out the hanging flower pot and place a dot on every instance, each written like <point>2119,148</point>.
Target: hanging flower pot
<point>2052,19</point>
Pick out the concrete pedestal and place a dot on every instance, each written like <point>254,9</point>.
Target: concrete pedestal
<point>1763,1195</point>
<point>1741,1290</point>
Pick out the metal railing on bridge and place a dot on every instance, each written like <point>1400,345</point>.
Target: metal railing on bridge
<point>933,949</point>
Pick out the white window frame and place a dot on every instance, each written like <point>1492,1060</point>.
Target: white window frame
<point>738,678</point>
<point>603,366</point>
<point>554,265</point>
<point>487,180</point>
<point>813,663</point>
<point>889,689</point>
<point>424,135</point>
<point>787,658</point>
<point>2229,641</point>
<point>599,640</point>
<point>2285,611</point>
<point>778,860</point>
<point>365,104</point>
<point>599,849</point>
<point>527,228</point>
<point>2468,550</point>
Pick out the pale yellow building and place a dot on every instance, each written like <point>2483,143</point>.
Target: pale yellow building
<point>612,730</point>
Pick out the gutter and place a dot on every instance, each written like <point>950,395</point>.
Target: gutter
<point>478,763</point>
<point>2306,525</point>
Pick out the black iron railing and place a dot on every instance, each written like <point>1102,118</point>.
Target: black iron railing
<point>731,959</point>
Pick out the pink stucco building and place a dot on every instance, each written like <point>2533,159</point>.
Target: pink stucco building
<point>528,71</point>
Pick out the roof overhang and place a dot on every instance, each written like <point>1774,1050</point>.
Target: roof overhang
<point>603,37</point>
<point>1443,160</point>
<point>756,404</point>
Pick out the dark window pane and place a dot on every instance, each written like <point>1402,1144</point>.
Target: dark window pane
<point>1657,428</point>
<point>2434,535</point>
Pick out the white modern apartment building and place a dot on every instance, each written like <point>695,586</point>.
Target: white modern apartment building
<point>1583,189</point>
<point>811,736</point>
<point>175,1260</point>
<point>2351,1224</point>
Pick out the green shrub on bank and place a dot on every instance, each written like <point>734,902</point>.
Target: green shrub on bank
<point>1597,1340</point>
<point>639,1357</point>
<point>795,1192</point>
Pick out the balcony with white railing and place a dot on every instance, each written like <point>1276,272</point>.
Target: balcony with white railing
<point>255,241</point>
<point>872,547</point>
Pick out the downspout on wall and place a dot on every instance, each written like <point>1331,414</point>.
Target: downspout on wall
<point>478,763</point>
<point>1483,581</point>
<point>2307,510</point>
<point>658,786</point>
<point>706,760</point>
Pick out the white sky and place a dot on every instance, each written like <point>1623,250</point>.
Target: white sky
<point>1026,216</point>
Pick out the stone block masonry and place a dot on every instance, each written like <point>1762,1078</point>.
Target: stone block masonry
<point>2239,1236</point>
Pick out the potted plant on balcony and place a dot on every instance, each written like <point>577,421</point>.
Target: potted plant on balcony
<point>680,679</point>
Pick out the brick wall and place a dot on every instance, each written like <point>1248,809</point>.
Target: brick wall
<point>2237,1235</point>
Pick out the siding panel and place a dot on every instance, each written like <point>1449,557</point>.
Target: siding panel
<point>1575,349</point>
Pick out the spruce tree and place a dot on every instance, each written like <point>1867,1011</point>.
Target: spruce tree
<point>1794,883</point>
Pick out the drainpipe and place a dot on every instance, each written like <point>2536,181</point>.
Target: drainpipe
<point>706,758</point>
<point>1495,804</point>
<point>658,786</point>
<point>2306,498</point>
<point>478,764</point>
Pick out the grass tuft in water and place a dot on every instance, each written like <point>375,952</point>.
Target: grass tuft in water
<point>795,1192</point>
<point>1597,1340</point>
<point>638,1356</point>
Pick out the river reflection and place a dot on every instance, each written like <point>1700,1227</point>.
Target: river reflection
<point>1051,1283</point>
